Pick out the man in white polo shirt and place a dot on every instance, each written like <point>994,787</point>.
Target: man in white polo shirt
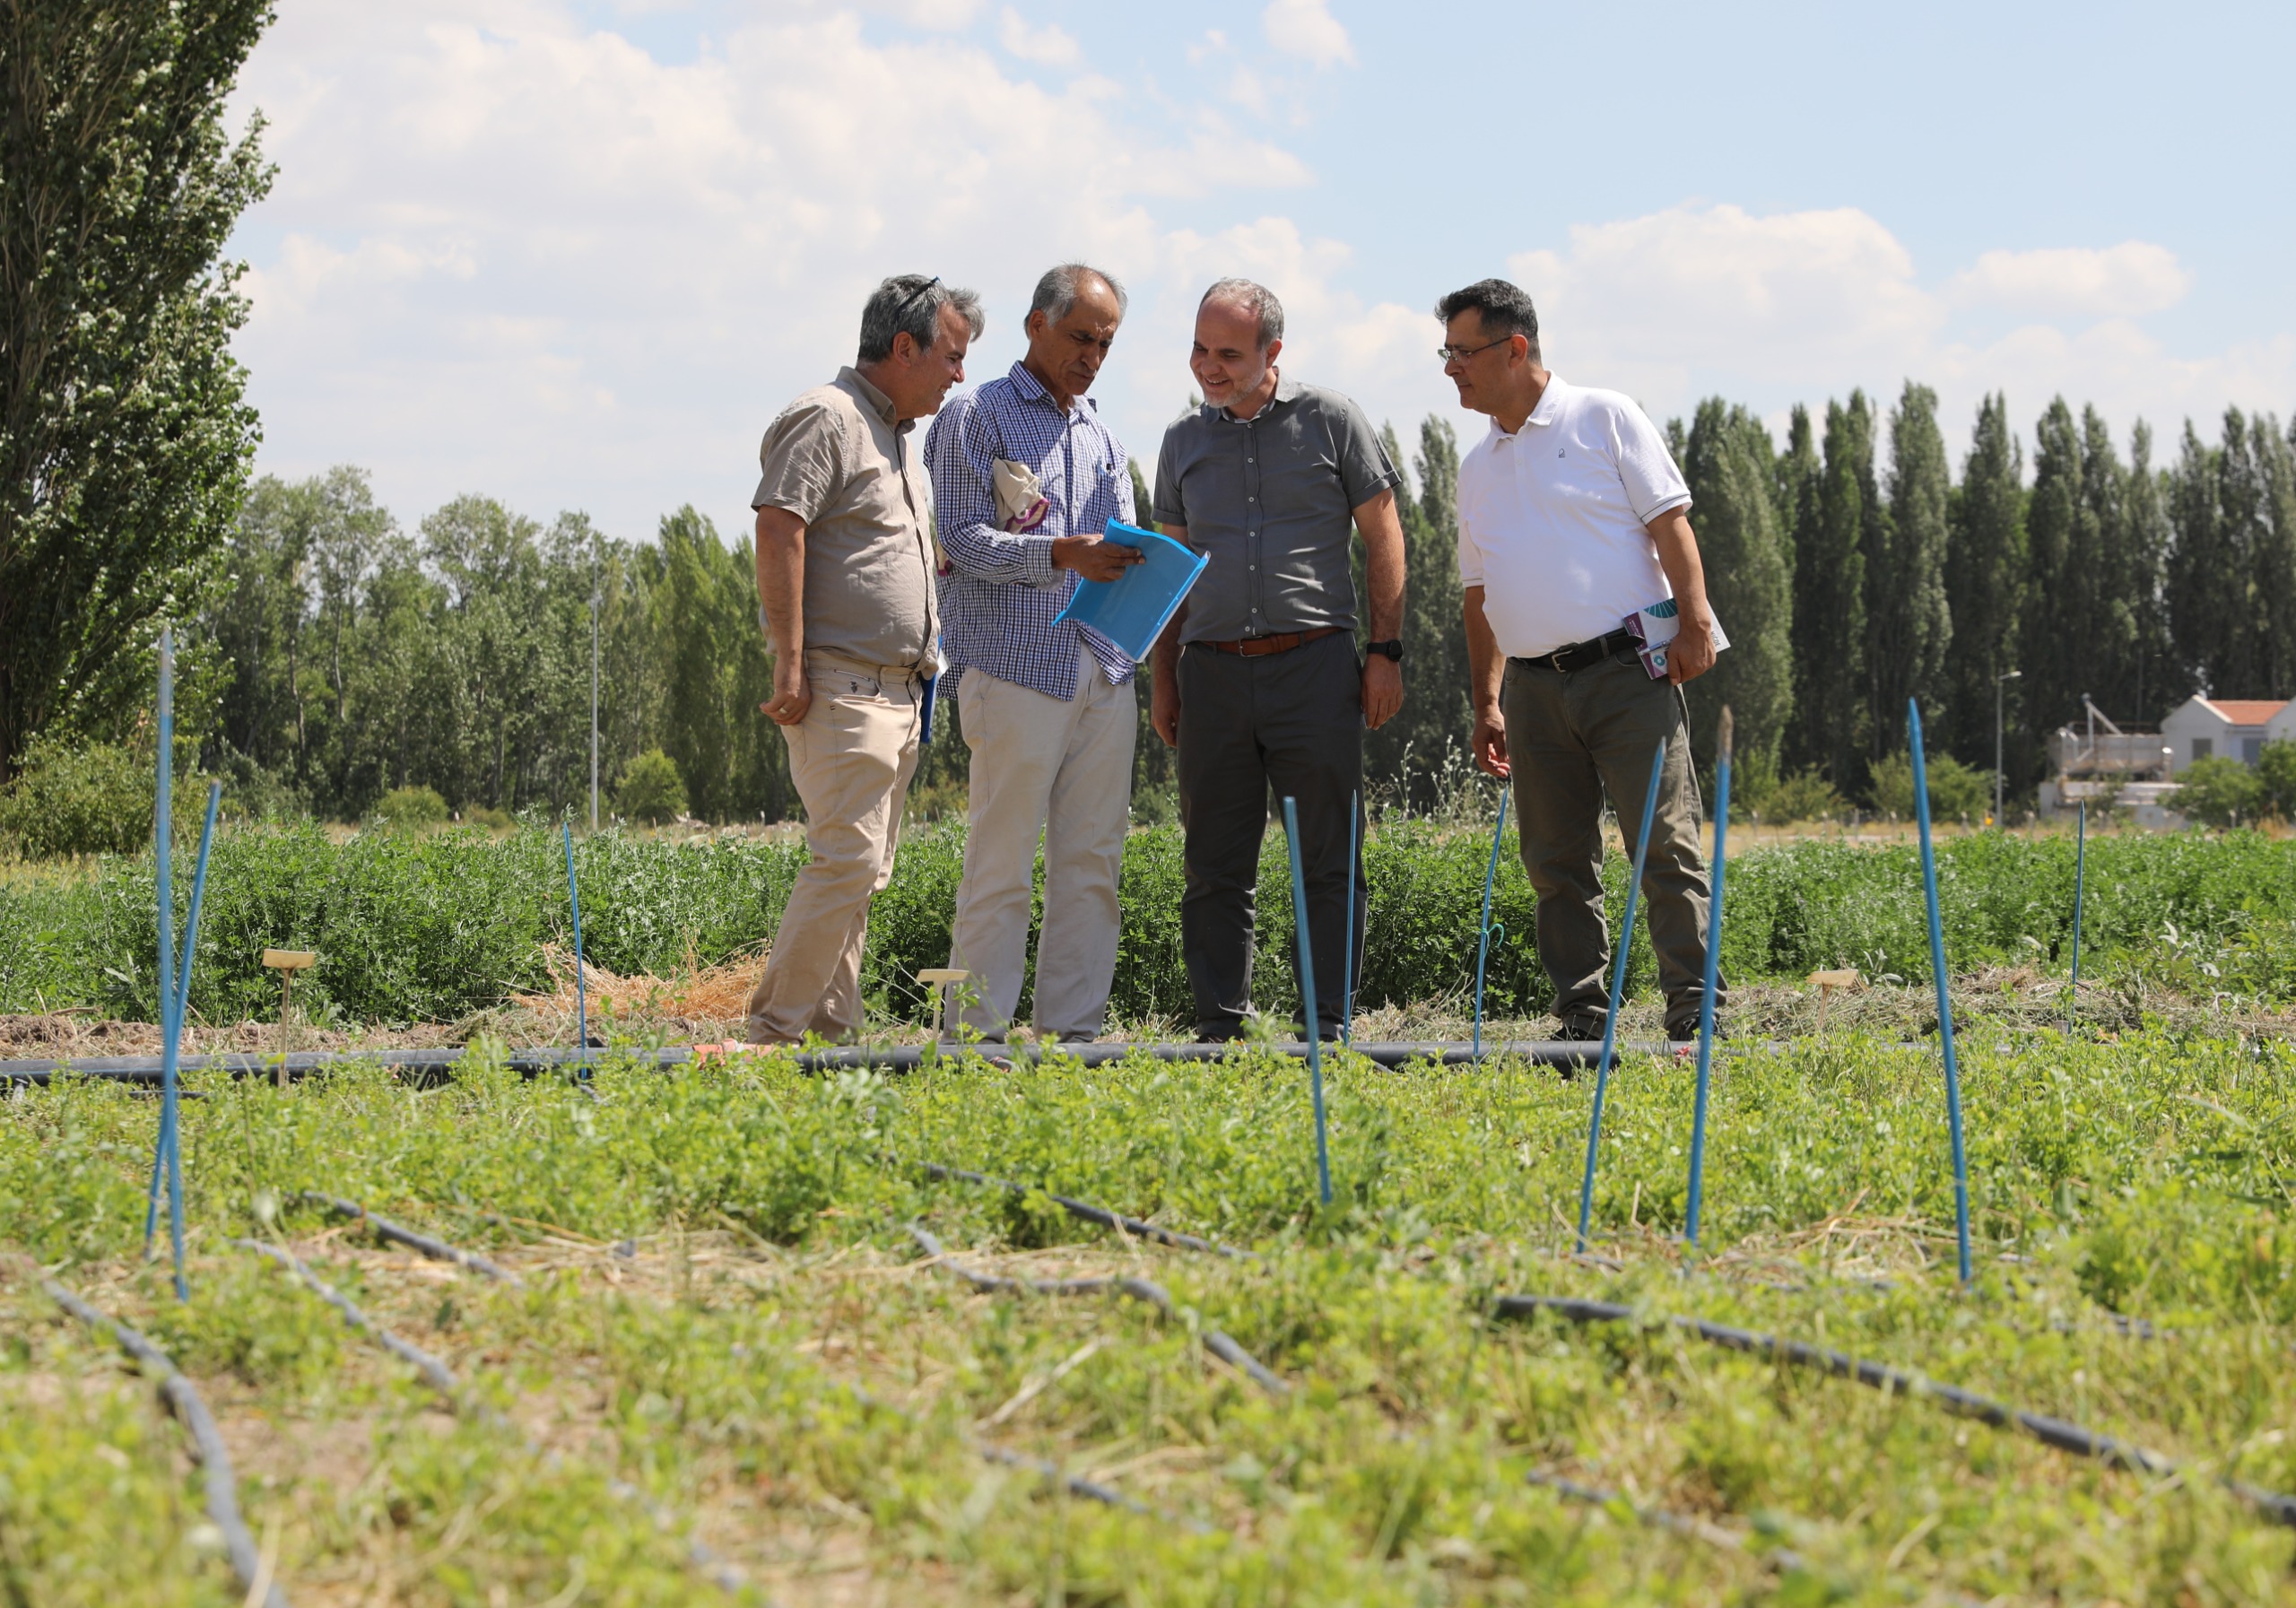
<point>1573,518</point>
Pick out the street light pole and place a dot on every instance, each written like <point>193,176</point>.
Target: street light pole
<point>1999,683</point>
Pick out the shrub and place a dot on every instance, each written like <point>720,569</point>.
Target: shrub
<point>1805,795</point>
<point>496,821</point>
<point>651,789</point>
<point>2219,792</point>
<point>2276,778</point>
<point>410,809</point>
<point>94,799</point>
<point>1956,791</point>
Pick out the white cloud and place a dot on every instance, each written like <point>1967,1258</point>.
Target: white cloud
<point>513,253</point>
<point>1307,29</point>
<point>2125,281</point>
<point>946,16</point>
<point>1802,306</point>
<point>1048,46</point>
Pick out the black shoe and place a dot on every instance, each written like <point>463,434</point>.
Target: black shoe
<point>1219,1033</point>
<point>1581,1029</point>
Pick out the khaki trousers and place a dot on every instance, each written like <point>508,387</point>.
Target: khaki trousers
<point>851,756</point>
<point>1065,769</point>
<point>1570,739</point>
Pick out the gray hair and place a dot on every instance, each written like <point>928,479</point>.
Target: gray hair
<point>911,302</point>
<point>1056,291</point>
<point>1504,307</point>
<point>1254,298</point>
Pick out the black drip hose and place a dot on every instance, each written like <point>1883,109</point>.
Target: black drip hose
<point>438,1250</point>
<point>1783,1559</point>
<point>2056,1432</point>
<point>1565,1054</point>
<point>1092,1213</point>
<point>1148,1291</point>
<point>441,1378</point>
<point>207,1441</point>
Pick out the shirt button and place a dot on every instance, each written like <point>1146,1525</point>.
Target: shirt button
<point>1251,499</point>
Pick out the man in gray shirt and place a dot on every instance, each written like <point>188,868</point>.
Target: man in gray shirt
<point>1268,700</point>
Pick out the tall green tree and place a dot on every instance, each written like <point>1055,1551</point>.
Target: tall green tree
<point>1749,579</point>
<point>1985,584</point>
<point>1799,477</point>
<point>2154,682</point>
<point>1908,617</point>
<point>125,442</point>
<point>1409,752</point>
<point>1830,595</point>
<point>2062,546</point>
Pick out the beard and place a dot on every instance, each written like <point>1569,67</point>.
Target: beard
<point>1240,384</point>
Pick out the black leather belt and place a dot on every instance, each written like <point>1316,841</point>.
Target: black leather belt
<point>1574,656</point>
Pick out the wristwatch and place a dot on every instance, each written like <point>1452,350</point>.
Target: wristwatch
<point>1393,650</point>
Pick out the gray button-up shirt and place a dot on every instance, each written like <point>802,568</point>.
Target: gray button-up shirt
<point>1270,499</point>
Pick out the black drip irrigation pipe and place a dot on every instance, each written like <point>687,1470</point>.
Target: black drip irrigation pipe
<point>1089,1212</point>
<point>183,1399</point>
<point>2055,1432</point>
<point>437,1374</point>
<point>1566,1054</point>
<point>438,1250</point>
<point>441,1378</point>
<point>1215,1341</point>
<point>1783,1559</point>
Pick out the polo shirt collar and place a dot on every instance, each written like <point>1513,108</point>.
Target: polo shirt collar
<point>869,396</point>
<point>1549,404</point>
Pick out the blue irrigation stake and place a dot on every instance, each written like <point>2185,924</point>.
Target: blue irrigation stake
<point>2080,869</point>
<point>170,1148</point>
<point>164,829</point>
<point>1482,940</point>
<point>1618,989</point>
<point>1308,993</point>
<point>1945,1002</point>
<point>1713,981</point>
<point>581,998</point>
<point>1347,933</point>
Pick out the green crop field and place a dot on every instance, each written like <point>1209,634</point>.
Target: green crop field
<point>725,1332</point>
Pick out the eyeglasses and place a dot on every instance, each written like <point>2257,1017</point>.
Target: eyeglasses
<point>1461,354</point>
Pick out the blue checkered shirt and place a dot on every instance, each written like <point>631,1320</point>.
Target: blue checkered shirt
<point>999,591</point>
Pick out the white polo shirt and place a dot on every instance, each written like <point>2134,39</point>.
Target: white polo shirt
<point>1552,518</point>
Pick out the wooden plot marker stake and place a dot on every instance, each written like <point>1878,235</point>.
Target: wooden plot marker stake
<point>939,977</point>
<point>286,963</point>
<point>1829,981</point>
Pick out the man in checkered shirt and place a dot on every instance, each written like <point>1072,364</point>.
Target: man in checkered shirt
<point>1025,477</point>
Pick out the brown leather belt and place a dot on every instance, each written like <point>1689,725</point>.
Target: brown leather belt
<point>1253,648</point>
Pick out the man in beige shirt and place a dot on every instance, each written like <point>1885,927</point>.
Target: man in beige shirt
<point>845,574</point>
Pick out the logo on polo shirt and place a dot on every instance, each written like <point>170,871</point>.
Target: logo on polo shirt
<point>1558,452</point>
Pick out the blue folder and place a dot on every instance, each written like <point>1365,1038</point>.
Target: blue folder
<point>1133,610</point>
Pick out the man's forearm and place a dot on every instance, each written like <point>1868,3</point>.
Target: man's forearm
<point>1486,668</point>
<point>980,553</point>
<point>1383,564</point>
<point>1678,557</point>
<point>781,579</point>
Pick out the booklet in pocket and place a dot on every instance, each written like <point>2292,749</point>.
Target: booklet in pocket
<point>1655,626</point>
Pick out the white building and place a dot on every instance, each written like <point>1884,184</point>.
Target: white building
<point>2225,728</point>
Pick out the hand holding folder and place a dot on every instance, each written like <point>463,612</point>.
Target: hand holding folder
<point>1131,609</point>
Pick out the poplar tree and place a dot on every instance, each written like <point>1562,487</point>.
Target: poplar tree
<point>1726,459</point>
<point>1830,595</point>
<point>1985,579</point>
<point>125,442</point>
<point>1795,494</point>
<point>2157,683</point>
<point>2203,589</point>
<point>1435,718</point>
<point>1909,618</point>
<point>2060,544</point>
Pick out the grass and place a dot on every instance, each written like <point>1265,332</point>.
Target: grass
<point>414,929</point>
<point>721,1307</point>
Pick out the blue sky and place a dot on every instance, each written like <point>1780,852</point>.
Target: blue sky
<point>576,252</point>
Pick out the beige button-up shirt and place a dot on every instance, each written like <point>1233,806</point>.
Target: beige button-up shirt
<point>836,459</point>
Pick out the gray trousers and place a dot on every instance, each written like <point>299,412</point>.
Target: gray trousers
<point>1570,739</point>
<point>1254,731</point>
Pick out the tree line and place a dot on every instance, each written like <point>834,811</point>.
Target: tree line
<point>341,656</point>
